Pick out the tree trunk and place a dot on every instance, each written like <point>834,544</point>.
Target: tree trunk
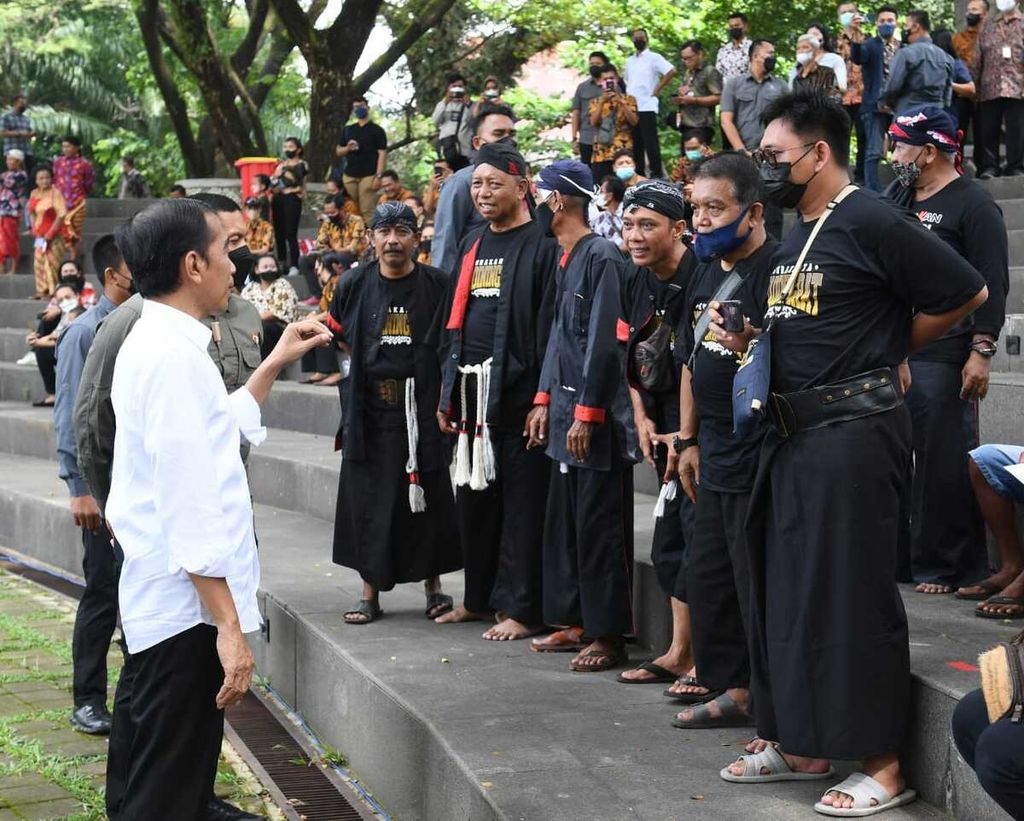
<point>329,109</point>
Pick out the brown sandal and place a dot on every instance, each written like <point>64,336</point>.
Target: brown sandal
<point>605,661</point>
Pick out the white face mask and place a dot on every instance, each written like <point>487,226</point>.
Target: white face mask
<point>803,57</point>
<point>1006,5</point>
<point>67,305</point>
<point>601,201</point>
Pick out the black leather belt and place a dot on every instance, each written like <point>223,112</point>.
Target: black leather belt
<point>862,395</point>
<point>389,393</point>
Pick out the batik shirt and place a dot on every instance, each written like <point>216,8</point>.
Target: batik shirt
<point>280,298</point>
<point>74,178</point>
<point>13,187</point>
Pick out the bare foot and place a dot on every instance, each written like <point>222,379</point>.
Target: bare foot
<point>327,381</point>
<point>670,663</point>
<point>884,769</point>
<point>511,630</point>
<point>460,614</point>
<point>929,587</point>
<point>565,640</point>
<point>758,745</point>
<point>993,584</point>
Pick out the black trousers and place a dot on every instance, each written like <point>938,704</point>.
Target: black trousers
<point>46,362</point>
<point>96,618</point>
<point>272,330</point>
<point>830,654</point>
<point>673,534</point>
<point>858,129</point>
<point>586,153</point>
<point>600,170</point>
<point>588,549</point>
<point>994,751</point>
<point>167,730</point>
<point>307,268</point>
<point>947,533</point>
<point>501,530</point>
<point>286,211</point>
<point>321,360</point>
<point>718,584</point>
<point>645,141</point>
<point>993,113</point>
<point>966,112</point>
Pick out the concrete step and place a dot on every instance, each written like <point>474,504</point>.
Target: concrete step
<point>488,730</point>
<point>20,313</point>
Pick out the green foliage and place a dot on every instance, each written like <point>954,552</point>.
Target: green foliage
<point>160,163</point>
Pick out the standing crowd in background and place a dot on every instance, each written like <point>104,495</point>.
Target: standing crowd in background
<point>508,345</point>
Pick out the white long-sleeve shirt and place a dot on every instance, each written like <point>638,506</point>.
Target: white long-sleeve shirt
<point>179,499</point>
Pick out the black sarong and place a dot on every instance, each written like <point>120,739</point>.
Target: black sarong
<point>830,660</point>
<point>670,545</point>
<point>375,531</point>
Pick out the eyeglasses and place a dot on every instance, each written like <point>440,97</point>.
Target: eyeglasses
<point>770,156</point>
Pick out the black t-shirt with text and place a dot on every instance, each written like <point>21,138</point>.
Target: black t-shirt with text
<point>728,462</point>
<point>394,355</point>
<point>965,217</point>
<point>482,308</point>
<point>371,139</point>
<point>871,267</point>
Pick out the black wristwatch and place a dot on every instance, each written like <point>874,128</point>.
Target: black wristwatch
<point>679,444</point>
<point>985,347</point>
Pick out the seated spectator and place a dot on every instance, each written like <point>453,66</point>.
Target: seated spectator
<point>274,298</point>
<point>992,750</point>
<point>70,270</point>
<point>323,362</point>
<point>1001,594</point>
<point>963,83</point>
<point>442,171</point>
<point>416,204</point>
<point>613,115</point>
<point>391,189</point>
<point>695,148</point>
<point>426,241</point>
<point>176,192</point>
<point>606,216</point>
<point>809,73</point>
<point>624,167</point>
<point>340,231</point>
<point>259,233</point>
<point>68,296</point>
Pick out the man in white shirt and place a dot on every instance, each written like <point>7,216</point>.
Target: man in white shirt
<point>179,506</point>
<point>647,73</point>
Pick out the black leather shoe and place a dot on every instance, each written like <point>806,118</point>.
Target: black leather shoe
<point>91,719</point>
<point>987,174</point>
<point>218,810</point>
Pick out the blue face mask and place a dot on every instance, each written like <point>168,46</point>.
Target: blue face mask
<point>886,30</point>
<point>625,173</point>
<point>720,241</point>
<point>694,154</point>
<point>361,112</point>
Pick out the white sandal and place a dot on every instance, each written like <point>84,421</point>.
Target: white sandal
<point>863,789</point>
<point>778,770</point>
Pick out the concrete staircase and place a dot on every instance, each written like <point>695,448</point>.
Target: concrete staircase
<point>441,725</point>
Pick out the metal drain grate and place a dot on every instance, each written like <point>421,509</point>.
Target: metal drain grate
<point>306,787</point>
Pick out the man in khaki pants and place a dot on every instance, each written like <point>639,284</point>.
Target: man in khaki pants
<point>364,145</point>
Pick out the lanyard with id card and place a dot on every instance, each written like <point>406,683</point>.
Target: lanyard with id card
<point>1007,53</point>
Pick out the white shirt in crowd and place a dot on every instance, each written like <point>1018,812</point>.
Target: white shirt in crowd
<point>643,71</point>
<point>179,499</point>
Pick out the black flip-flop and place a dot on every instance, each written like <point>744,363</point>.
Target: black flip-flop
<point>661,675</point>
<point>366,607</point>
<point>988,589</point>
<point>731,716</point>
<point>1015,601</point>
<point>692,698</point>
<point>42,403</point>
<point>442,600</point>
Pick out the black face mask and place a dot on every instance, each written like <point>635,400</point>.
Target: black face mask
<point>736,32</point>
<point>596,71</point>
<point>425,245</point>
<point>778,186</point>
<point>269,276</point>
<point>544,215</point>
<point>639,43</point>
<point>973,19</point>
<point>242,259</point>
<point>769,64</point>
<point>290,154</point>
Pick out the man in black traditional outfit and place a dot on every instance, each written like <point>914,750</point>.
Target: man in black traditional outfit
<point>856,286</point>
<point>653,224</point>
<point>496,319</point>
<point>395,520</point>
<point>584,400</point>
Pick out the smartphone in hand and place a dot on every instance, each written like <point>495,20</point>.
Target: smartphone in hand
<point>732,315</point>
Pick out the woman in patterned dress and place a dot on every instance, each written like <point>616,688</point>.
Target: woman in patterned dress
<point>47,211</point>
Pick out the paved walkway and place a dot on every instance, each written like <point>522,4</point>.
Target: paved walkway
<point>47,769</point>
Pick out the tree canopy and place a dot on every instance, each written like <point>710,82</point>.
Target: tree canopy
<point>189,86</point>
